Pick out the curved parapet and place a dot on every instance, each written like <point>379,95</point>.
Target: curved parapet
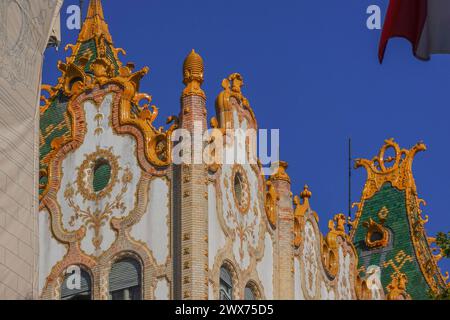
<point>325,265</point>
<point>388,229</point>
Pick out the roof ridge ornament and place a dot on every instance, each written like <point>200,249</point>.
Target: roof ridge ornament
<point>397,170</point>
<point>193,75</point>
<point>301,208</point>
<point>399,174</point>
<point>281,173</point>
<point>94,25</point>
<point>232,88</point>
<point>397,287</point>
<point>330,245</point>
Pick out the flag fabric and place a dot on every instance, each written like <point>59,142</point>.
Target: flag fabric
<point>425,23</point>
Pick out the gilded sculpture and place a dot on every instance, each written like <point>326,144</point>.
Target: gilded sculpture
<point>231,94</point>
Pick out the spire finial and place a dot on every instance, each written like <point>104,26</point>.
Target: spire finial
<point>306,193</point>
<point>193,69</point>
<point>280,174</point>
<point>94,25</point>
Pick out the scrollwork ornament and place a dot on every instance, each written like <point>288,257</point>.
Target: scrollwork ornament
<point>270,203</point>
<point>397,170</point>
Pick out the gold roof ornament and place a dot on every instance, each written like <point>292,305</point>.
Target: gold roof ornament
<point>193,75</point>
<point>329,252</point>
<point>397,287</point>
<point>306,194</point>
<point>232,90</point>
<point>281,173</point>
<point>336,227</point>
<point>270,203</point>
<point>397,170</point>
<point>94,25</point>
<point>299,213</point>
<point>302,207</point>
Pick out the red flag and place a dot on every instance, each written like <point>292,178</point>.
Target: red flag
<point>425,23</point>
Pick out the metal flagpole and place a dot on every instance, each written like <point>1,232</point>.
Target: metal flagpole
<point>81,10</point>
<point>349,181</point>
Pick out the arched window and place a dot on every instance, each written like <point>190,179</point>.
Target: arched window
<point>250,291</point>
<point>125,280</point>
<point>76,289</point>
<point>226,284</point>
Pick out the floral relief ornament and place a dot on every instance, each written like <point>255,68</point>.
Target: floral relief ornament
<point>310,260</point>
<point>244,230</point>
<point>94,217</point>
<point>242,221</point>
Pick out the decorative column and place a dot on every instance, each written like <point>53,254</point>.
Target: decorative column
<point>284,251</point>
<point>194,196</point>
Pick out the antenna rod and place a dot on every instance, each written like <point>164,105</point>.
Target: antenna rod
<point>349,181</point>
<point>81,9</point>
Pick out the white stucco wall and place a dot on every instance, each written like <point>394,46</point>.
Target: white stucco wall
<point>162,290</point>
<point>154,226</point>
<point>216,237</point>
<point>265,267</point>
<point>51,251</point>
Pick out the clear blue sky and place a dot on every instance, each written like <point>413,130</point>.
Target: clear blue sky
<point>311,70</point>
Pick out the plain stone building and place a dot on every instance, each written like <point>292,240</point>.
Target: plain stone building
<point>25,29</point>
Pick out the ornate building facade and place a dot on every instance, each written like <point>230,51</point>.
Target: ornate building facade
<point>139,226</point>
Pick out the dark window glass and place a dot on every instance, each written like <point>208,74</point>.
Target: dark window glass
<point>82,290</point>
<point>376,236</point>
<point>226,285</point>
<point>125,280</point>
<point>249,293</point>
